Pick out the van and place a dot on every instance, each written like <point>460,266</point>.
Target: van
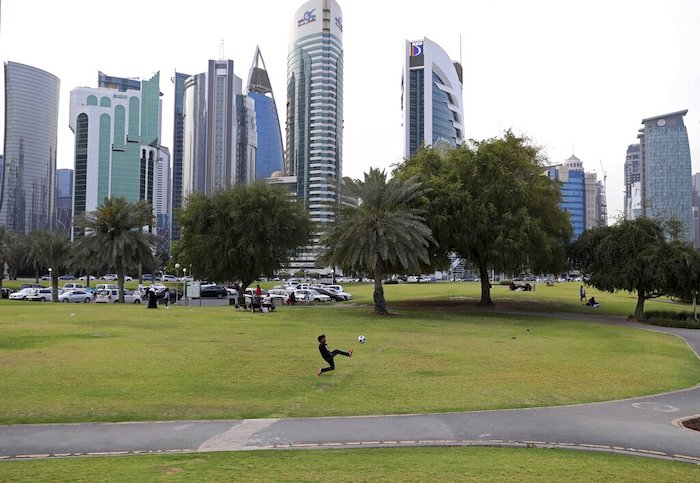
<point>73,286</point>
<point>105,286</point>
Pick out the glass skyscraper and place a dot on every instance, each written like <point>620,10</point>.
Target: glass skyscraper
<point>178,151</point>
<point>28,188</point>
<point>666,169</point>
<point>431,98</point>
<point>573,191</point>
<point>270,152</point>
<point>117,143</point>
<point>64,200</point>
<point>314,149</point>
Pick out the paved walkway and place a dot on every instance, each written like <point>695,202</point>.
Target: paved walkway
<point>647,426</point>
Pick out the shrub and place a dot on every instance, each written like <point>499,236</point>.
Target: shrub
<point>683,320</point>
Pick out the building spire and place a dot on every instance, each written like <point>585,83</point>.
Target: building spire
<point>221,50</point>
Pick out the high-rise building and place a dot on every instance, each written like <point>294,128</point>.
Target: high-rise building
<point>247,140</point>
<point>162,201</point>
<point>314,148</point>
<point>178,151</point>
<point>666,169</point>
<point>211,131</point>
<point>117,143</point>
<point>270,152</point>
<point>64,200</point>
<point>28,188</point>
<point>633,178</point>
<point>572,180</point>
<point>431,99</point>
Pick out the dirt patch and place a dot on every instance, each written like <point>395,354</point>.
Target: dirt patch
<point>692,424</point>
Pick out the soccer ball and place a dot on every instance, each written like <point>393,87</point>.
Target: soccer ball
<point>361,339</point>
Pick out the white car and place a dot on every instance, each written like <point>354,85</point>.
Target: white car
<point>279,296</point>
<point>111,296</point>
<point>168,278</point>
<point>77,296</point>
<point>39,295</point>
<point>20,294</point>
<point>310,296</point>
<point>84,277</point>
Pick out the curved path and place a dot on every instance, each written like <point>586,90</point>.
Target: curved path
<point>646,426</point>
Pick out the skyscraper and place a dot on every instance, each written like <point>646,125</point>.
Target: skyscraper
<point>117,143</point>
<point>633,177</point>
<point>573,191</point>
<point>431,97</point>
<point>314,150</point>
<point>28,188</point>
<point>666,169</point>
<point>270,152</point>
<point>64,200</point>
<point>178,152</point>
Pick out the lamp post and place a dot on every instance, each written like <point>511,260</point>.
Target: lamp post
<point>184,284</point>
<point>51,278</point>
<point>177,276</point>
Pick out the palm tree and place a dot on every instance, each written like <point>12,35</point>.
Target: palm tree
<point>49,249</point>
<point>382,234</point>
<point>113,235</point>
<point>5,249</point>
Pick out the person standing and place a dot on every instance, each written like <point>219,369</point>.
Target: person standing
<point>258,290</point>
<point>582,293</point>
<point>328,355</point>
<point>166,297</point>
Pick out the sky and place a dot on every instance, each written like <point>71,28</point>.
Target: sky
<point>576,76</point>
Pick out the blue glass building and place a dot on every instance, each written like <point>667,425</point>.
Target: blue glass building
<point>64,200</point>
<point>270,152</point>
<point>178,137</point>
<point>573,192</point>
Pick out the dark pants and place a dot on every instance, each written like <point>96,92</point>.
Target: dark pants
<point>331,364</point>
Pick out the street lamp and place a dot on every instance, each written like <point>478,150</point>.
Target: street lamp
<point>51,278</point>
<point>177,276</point>
<point>184,283</point>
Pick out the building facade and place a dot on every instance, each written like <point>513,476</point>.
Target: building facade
<point>117,143</point>
<point>28,170</point>
<point>572,181</point>
<point>633,178</point>
<point>431,99</point>
<point>270,152</point>
<point>314,148</point>
<point>178,151</point>
<point>64,200</point>
<point>666,171</point>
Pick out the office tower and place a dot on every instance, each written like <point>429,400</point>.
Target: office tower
<point>431,98</point>
<point>162,201</point>
<point>666,169</point>
<point>591,195</point>
<point>211,131</point>
<point>696,210</point>
<point>247,140</point>
<point>314,150</point>
<point>178,152</point>
<point>121,84</point>
<point>64,200</point>
<point>270,152</point>
<point>117,142</point>
<point>571,176</point>
<point>601,201</point>
<point>633,177</point>
<point>28,189</point>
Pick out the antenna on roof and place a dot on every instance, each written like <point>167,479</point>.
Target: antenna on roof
<point>221,50</point>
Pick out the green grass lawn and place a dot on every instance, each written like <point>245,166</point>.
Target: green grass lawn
<point>76,362</point>
<point>390,465</point>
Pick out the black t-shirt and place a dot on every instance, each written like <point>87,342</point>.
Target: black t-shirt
<point>325,351</point>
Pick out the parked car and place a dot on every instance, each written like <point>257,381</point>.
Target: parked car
<point>31,285</point>
<point>310,296</point>
<point>84,277</point>
<point>39,295</point>
<point>21,294</point>
<point>77,296</point>
<point>110,276</point>
<point>213,291</point>
<point>331,293</point>
<point>73,286</point>
<point>279,296</point>
<point>166,277</point>
<point>46,277</point>
<point>67,276</point>
<point>111,296</point>
<point>147,277</point>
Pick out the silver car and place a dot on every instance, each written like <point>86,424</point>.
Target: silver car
<point>77,296</point>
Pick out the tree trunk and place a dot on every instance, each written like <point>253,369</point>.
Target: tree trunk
<point>54,286</point>
<point>379,302</point>
<point>485,286</point>
<point>2,271</point>
<point>120,280</point>
<point>241,292</point>
<point>639,310</point>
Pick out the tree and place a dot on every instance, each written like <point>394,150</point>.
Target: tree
<point>5,249</point>
<point>114,236</point>
<point>644,255</point>
<point>50,249</point>
<point>491,203</point>
<point>383,234</point>
<point>241,233</point>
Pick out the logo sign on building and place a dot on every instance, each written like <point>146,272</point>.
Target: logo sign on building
<point>339,23</point>
<point>308,17</point>
<point>416,49</point>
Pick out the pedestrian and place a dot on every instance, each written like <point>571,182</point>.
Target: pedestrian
<point>258,290</point>
<point>328,355</point>
<point>152,298</point>
<point>166,297</point>
<point>582,293</point>
<point>292,298</point>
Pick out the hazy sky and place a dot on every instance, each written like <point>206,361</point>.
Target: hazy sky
<point>575,76</point>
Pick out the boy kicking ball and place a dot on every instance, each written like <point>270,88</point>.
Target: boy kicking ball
<point>328,355</point>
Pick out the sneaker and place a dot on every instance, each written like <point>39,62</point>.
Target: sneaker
<point>350,352</point>
<point>319,372</point>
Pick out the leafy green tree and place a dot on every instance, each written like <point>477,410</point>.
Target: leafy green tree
<point>16,253</point>
<point>50,249</point>
<point>241,233</point>
<point>383,234</point>
<point>114,236</point>
<point>645,255</point>
<point>491,203</point>
<point>5,249</point>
